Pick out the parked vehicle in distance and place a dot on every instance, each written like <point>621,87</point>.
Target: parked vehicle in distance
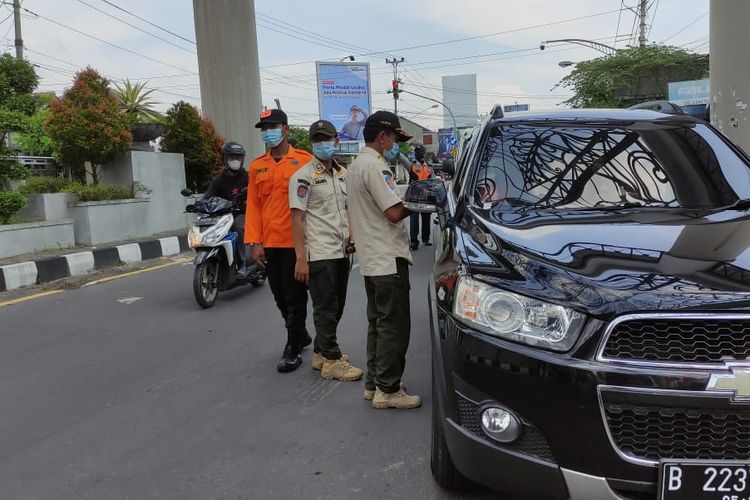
<point>590,308</point>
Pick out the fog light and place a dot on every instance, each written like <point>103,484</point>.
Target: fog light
<point>500,424</point>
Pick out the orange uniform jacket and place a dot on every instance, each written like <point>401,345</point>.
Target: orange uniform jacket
<point>268,219</point>
<point>423,173</point>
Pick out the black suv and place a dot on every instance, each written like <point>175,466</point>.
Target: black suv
<point>590,308</point>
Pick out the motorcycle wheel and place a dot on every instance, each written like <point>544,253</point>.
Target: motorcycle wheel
<point>206,283</point>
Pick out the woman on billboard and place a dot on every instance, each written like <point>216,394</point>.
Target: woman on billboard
<point>352,130</point>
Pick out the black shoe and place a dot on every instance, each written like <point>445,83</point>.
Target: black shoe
<point>307,340</point>
<point>427,244</point>
<point>414,246</point>
<point>290,360</point>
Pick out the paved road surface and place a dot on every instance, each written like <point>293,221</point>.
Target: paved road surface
<point>128,389</point>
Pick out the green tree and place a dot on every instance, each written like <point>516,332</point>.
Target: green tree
<point>631,76</point>
<point>193,136</point>
<point>34,139</point>
<point>300,138</point>
<point>86,125</point>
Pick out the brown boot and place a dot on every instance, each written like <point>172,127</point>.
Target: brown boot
<point>369,394</point>
<point>317,361</point>
<point>340,369</point>
<point>399,400</point>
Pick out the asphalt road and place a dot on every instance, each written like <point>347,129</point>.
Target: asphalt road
<point>128,390</point>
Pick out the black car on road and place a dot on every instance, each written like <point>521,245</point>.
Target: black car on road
<point>590,308</point>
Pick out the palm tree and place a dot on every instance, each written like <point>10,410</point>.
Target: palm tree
<point>135,102</point>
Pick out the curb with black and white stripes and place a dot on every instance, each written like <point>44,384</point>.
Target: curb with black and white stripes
<point>15,276</point>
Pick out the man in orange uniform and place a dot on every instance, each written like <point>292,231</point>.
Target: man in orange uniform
<point>419,172</point>
<point>269,229</point>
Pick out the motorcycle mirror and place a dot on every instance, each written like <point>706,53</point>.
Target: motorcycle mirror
<point>187,192</point>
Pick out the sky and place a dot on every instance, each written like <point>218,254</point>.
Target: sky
<point>496,39</point>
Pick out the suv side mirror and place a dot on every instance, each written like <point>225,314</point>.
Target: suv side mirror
<point>187,192</point>
<point>425,196</point>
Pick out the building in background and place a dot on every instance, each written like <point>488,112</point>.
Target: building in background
<point>460,95</point>
<point>420,134</point>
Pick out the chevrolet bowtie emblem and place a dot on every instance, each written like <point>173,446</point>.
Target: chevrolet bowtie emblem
<point>737,383</point>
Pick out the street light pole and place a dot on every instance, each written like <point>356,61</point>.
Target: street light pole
<point>601,47</point>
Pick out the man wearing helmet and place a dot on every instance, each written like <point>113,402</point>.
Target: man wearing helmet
<point>231,184</point>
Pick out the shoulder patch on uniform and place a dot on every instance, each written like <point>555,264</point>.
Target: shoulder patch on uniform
<point>302,191</point>
<point>386,172</point>
<point>304,181</point>
<point>390,181</point>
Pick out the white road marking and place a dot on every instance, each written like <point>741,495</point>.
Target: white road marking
<point>128,300</point>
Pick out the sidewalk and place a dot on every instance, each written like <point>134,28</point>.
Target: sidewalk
<point>43,267</point>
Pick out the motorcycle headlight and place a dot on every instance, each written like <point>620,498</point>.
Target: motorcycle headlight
<point>194,239</point>
<point>514,317</point>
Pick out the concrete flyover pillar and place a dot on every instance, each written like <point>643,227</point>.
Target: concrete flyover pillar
<point>225,33</point>
<point>730,69</point>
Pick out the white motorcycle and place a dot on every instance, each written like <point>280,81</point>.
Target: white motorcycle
<point>216,250</point>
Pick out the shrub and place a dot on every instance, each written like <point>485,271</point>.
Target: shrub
<point>100,192</point>
<point>11,170</point>
<point>10,203</point>
<point>40,185</point>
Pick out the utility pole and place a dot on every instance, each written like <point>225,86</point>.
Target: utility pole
<point>230,86</point>
<point>730,70</point>
<point>642,7</point>
<point>395,62</point>
<point>17,19</point>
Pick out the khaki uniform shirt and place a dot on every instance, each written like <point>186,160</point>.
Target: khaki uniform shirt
<point>321,195</point>
<point>372,190</point>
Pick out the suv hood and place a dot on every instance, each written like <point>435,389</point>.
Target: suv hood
<point>607,263</point>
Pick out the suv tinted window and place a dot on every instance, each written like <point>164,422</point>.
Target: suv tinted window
<point>579,167</point>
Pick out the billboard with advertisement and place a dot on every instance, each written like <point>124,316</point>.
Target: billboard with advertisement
<point>445,143</point>
<point>688,93</point>
<point>344,96</point>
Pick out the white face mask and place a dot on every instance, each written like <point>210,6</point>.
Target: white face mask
<point>234,164</point>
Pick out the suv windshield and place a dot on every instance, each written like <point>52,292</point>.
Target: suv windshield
<point>572,166</point>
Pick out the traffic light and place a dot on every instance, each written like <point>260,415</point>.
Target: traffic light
<point>395,89</point>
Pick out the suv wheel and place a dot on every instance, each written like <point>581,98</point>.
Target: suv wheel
<point>443,469</point>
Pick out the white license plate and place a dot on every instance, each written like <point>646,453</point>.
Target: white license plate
<point>704,480</point>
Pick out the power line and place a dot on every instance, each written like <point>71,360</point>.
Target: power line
<point>105,42</point>
<point>457,40</point>
<point>686,27</point>
<point>619,16</point>
<point>136,27</point>
<point>148,22</point>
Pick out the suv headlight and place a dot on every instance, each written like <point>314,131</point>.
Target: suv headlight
<point>515,317</point>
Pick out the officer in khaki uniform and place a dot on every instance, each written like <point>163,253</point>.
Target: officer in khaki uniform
<point>320,228</point>
<point>376,214</point>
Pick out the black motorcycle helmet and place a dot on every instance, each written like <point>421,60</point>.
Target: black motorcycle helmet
<point>419,152</point>
<point>232,149</point>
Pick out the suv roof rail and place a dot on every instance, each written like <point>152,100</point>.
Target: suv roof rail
<point>666,107</point>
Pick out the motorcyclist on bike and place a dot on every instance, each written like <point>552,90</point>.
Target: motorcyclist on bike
<point>231,184</point>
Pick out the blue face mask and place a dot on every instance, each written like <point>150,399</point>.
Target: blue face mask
<point>272,137</point>
<point>392,153</point>
<point>324,150</point>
